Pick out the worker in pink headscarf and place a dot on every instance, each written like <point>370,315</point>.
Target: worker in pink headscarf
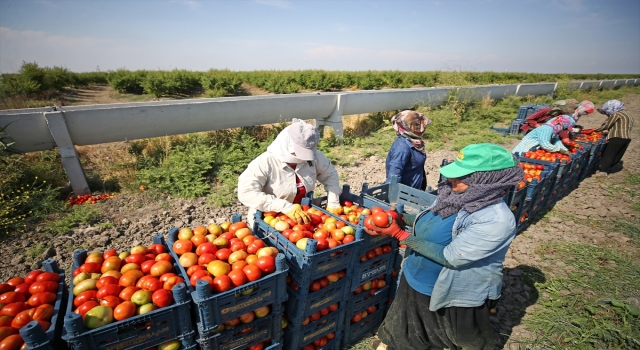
<point>568,107</point>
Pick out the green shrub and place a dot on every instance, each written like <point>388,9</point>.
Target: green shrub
<point>123,80</point>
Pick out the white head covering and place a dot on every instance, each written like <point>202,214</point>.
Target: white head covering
<point>282,147</point>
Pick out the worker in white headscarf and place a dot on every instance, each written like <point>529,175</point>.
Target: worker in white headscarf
<point>279,178</point>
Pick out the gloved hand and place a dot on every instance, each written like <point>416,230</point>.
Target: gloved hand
<point>394,230</point>
<point>336,210</point>
<point>564,151</point>
<point>298,215</point>
<point>566,140</point>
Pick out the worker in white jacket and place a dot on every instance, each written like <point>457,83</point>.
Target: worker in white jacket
<point>279,178</point>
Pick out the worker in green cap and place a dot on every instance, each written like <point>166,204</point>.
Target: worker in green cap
<point>453,277</point>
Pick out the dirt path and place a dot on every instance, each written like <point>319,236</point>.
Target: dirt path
<point>131,219</point>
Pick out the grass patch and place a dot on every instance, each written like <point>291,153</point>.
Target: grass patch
<point>585,306</point>
<point>35,251</point>
<point>79,214</point>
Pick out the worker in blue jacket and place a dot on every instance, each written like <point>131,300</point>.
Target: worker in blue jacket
<point>453,277</point>
<point>408,153</point>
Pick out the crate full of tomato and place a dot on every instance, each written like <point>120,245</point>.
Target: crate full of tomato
<point>127,300</point>
<point>365,311</point>
<point>353,208</point>
<point>317,299</point>
<point>32,308</point>
<point>324,245</point>
<point>230,274</point>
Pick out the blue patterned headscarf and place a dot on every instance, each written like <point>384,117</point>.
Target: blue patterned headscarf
<point>560,123</point>
<point>610,107</point>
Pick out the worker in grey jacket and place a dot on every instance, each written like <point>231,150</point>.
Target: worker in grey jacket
<point>279,178</point>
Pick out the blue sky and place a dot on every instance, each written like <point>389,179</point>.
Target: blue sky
<point>544,36</point>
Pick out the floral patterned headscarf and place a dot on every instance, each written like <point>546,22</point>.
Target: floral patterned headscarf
<point>610,107</point>
<point>410,125</point>
<point>560,123</point>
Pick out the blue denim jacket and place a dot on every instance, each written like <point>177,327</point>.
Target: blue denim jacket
<point>406,162</point>
<point>478,247</point>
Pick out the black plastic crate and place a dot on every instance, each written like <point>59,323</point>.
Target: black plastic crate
<point>308,265</point>
<point>354,331</point>
<point>33,335</point>
<point>138,332</point>
<point>303,303</point>
<point>298,336</point>
<point>211,310</point>
<point>373,268</point>
<point>244,335</point>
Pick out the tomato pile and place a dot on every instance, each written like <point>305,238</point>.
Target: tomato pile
<point>319,283</point>
<point>260,312</point>
<point>328,231</point>
<point>531,172</point>
<point>88,199</point>
<point>320,342</point>
<point>371,286</point>
<point>359,316</point>
<point>377,251</point>
<point>227,256</point>
<point>111,287</point>
<point>381,218</point>
<point>546,156</point>
<point>591,137</point>
<point>23,300</point>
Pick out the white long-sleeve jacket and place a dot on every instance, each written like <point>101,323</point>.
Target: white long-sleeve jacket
<point>269,184</point>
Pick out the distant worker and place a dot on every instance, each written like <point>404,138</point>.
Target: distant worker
<point>547,136</point>
<point>618,128</point>
<point>567,107</point>
<point>279,178</point>
<point>408,154</point>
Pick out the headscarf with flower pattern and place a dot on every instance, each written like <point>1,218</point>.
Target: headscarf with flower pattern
<point>410,125</point>
<point>560,123</point>
<point>610,107</point>
<point>584,108</point>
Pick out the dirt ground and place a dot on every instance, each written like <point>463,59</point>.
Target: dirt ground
<point>135,218</point>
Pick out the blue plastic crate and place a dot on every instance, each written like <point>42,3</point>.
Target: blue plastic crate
<point>394,194</point>
<point>296,337</point>
<point>211,310</point>
<point>525,110</point>
<point>373,268</point>
<point>138,332</point>
<point>303,303</point>
<point>244,335</point>
<point>308,265</point>
<point>354,331</point>
<point>514,129</point>
<point>33,335</point>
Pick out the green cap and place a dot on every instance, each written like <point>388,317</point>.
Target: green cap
<point>479,157</point>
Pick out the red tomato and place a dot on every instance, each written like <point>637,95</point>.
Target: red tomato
<point>24,289</point>
<point>90,267</point>
<point>135,259</point>
<point>82,309</point>
<point>127,292</point>
<point>48,276</point>
<point>109,289</point>
<point>43,312</point>
<point>252,272</point>
<point>162,298</point>
<point>22,319</point>
<point>5,321</point>
<point>31,276</point>
<point>11,297</point>
<point>13,309</point>
<point>236,226</point>
<point>238,278</point>
<point>266,264</point>
<point>84,297</point>
<point>172,282</point>
<point>368,222</point>
<point>221,283</point>
<point>124,310</point>
<point>381,219</point>
<point>111,301</point>
<point>12,342</point>
<point>6,331</point>
<point>6,288</point>
<point>15,281</point>
<point>42,298</point>
<point>158,248</point>
<point>103,281</point>
<point>44,286</point>
<point>145,267</point>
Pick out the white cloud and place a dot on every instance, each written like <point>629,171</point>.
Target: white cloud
<point>281,4</point>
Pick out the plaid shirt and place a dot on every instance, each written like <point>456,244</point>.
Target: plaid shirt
<point>619,125</point>
<point>538,118</point>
